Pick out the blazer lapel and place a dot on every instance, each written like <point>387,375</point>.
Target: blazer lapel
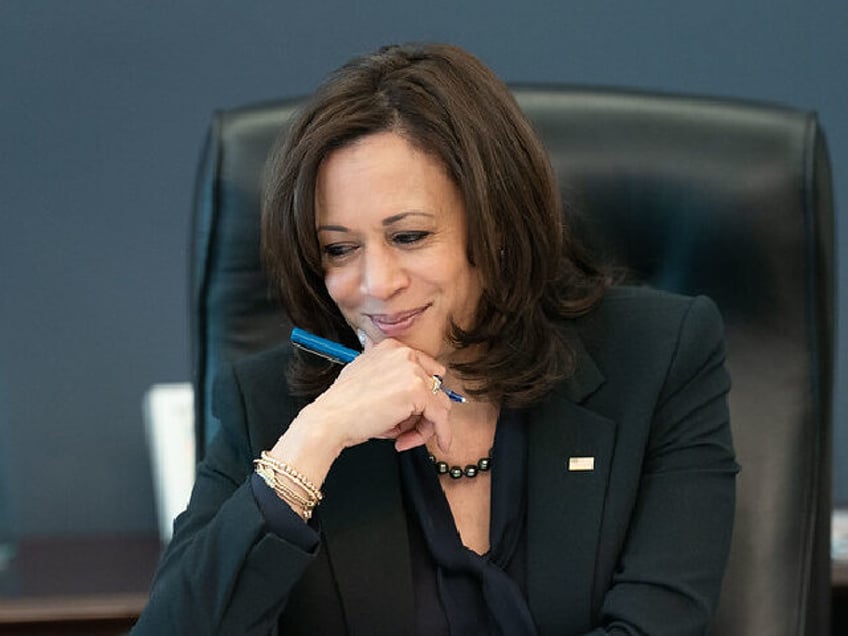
<point>570,450</point>
<point>364,526</point>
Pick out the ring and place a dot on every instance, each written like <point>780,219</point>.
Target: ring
<point>437,384</point>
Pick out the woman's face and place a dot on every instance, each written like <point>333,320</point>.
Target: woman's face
<point>392,230</point>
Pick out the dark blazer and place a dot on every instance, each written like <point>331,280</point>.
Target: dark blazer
<point>636,545</point>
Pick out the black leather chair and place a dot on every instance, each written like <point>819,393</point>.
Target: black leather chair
<point>726,198</point>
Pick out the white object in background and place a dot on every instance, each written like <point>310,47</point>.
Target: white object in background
<point>169,427</point>
<point>839,535</point>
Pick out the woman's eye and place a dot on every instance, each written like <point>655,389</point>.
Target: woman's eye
<point>409,238</point>
<point>338,250</point>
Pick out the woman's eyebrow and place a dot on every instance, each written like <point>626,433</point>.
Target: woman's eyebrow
<point>332,228</point>
<point>389,220</point>
<point>402,215</point>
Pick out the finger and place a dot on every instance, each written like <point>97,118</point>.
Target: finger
<point>417,436</point>
<point>398,429</point>
<point>409,439</point>
<point>443,434</point>
<point>436,412</point>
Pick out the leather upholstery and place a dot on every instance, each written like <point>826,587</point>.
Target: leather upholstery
<point>726,198</point>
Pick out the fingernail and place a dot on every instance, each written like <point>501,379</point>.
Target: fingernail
<point>362,337</point>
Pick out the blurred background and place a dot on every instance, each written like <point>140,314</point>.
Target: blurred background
<point>103,109</point>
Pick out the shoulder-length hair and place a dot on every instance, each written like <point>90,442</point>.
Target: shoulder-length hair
<point>446,103</point>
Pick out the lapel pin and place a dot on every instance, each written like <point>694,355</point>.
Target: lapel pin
<point>577,464</point>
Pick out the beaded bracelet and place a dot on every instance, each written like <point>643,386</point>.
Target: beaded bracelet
<point>275,474</point>
<point>287,470</point>
<point>300,504</point>
<point>282,490</point>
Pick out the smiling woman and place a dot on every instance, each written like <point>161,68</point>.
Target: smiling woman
<point>393,233</point>
<point>586,484</point>
<point>486,159</point>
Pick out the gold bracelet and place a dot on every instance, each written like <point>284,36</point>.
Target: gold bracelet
<point>282,490</point>
<point>310,493</point>
<point>296,476</point>
<point>299,504</point>
<point>275,474</point>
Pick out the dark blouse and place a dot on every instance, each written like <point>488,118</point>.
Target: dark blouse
<point>457,591</point>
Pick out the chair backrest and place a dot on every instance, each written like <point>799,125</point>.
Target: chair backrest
<point>730,199</point>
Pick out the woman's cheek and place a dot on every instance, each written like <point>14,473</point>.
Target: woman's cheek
<point>341,287</point>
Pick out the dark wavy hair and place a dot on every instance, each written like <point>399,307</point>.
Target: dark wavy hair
<point>446,103</point>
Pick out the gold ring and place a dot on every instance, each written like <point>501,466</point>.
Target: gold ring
<point>437,384</point>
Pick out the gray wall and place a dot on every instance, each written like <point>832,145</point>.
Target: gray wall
<point>103,108</point>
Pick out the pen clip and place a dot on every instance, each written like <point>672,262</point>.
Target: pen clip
<point>320,354</point>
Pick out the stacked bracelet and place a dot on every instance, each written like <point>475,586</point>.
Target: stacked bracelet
<point>280,477</point>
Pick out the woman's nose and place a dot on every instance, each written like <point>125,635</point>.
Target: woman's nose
<point>383,275</point>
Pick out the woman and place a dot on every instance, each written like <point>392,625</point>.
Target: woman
<point>412,210</point>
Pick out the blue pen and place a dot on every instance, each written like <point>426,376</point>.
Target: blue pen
<point>334,352</point>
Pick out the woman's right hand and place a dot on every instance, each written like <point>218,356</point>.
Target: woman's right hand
<point>386,392</point>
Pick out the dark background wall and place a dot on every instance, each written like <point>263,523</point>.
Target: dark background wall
<point>103,109</point>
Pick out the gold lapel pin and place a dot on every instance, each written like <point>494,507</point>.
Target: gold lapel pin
<point>581,463</point>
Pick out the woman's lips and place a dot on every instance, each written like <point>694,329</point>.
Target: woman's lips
<point>395,325</point>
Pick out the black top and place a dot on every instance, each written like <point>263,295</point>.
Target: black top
<point>456,589</point>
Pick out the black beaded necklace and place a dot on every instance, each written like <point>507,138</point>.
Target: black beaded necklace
<point>471,470</point>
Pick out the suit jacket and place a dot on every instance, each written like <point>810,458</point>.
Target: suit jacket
<point>638,544</point>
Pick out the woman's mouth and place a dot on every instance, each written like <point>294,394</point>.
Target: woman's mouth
<point>396,324</point>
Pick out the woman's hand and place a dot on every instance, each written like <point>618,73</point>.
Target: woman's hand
<point>386,392</point>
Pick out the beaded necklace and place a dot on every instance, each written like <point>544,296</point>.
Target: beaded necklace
<point>471,470</point>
